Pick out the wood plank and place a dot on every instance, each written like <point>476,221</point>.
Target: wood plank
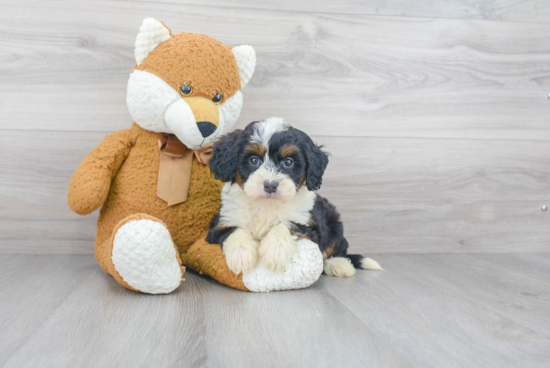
<point>422,311</point>
<point>31,289</point>
<point>441,313</point>
<point>36,169</point>
<point>331,74</point>
<point>395,195</point>
<point>300,328</point>
<point>503,10</point>
<point>414,195</point>
<point>101,324</point>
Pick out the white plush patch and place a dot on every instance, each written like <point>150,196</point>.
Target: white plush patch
<point>277,248</point>
<point>181,121</point>
<point>246,62</point>
<point>304,269</point>
<point>157,107</point>
<point>148,97</point>
<point>259,215</point>
<point>370,264</point>
<point>339,267</point>
<point>151,34</point>
<point>241,251</point>
<point>230,110</point>
<point>145,257</point>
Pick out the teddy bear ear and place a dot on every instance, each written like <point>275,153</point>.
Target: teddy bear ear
<point>151,34</point>
<point>246,62</point>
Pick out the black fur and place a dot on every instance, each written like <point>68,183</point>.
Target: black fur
<point>223,162</point>
<point>317,161</point>
<point>217,234</point>
<point>231,160</point>
<point>327,231</point>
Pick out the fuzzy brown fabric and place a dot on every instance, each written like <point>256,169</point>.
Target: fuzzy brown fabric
<point>208,259</point>
<point>190,58</point>
<point>121,173</point>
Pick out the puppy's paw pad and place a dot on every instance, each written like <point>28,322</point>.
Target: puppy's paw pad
<point>339,267</point>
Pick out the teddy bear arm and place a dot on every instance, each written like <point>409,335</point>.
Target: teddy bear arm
<point>90,184</point>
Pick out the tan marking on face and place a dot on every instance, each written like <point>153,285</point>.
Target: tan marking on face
<point>288,150</point>
<point>239,179</point>
<point>256,149</point>
<point>204,63</point>
<point>301,182</point>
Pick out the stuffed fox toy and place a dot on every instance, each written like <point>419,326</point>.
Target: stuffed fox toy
<point>152,181</point>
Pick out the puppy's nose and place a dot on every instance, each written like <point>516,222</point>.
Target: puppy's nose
<point>206,128</point>
<point>270,186</point>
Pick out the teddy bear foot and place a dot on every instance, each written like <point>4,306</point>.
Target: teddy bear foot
<point>304,269</point>
<point>145,257</point>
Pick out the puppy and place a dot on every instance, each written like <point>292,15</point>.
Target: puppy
<point>269,202</point>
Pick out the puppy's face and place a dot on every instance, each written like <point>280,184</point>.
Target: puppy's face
<point>269,160</point>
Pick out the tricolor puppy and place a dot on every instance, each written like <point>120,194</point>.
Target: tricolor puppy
<point>269,202</point>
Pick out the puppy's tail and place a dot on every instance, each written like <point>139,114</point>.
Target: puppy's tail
<point>358,261</point>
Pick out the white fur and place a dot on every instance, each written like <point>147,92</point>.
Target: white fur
<point>246,62</point>
<point>145,257</point>
<point>265,129</point>
<point>277,248</point>
<point>254,186</point>
<point>258,215</point>
<point>304,269</point>
<point>151,34</point>
<point>157,107</point>
<point>339,266</point>
<point>370,264</point>
<point>241,251</point>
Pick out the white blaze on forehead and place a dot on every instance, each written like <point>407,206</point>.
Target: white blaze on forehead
<point>264,130</point>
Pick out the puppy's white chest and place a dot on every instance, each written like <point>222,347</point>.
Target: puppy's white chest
<point>260,216</point>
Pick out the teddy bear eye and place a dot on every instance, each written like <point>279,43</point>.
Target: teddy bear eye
<point>186,89</point>
<point>217,98</point>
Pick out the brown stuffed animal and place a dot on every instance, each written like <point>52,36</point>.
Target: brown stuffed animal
<point>152,181</point>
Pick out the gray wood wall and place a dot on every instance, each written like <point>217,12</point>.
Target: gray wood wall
<point>436,112</point>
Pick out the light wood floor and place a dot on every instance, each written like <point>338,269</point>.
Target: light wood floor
<point>423,311</point>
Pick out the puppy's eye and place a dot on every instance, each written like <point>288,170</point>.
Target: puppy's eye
<point>254,160</point>
<point>186,89</point>
<point>217,98</point>
<point>288,163</point>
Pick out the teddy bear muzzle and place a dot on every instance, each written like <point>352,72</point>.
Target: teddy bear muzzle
<point>194,120</point>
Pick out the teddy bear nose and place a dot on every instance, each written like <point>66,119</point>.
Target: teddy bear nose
<point>206,128</point>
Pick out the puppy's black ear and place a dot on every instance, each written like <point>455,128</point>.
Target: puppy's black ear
<point>317,162</point>
<point>225,153</point>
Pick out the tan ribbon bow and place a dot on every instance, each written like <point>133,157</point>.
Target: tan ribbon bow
<point>175,168</point>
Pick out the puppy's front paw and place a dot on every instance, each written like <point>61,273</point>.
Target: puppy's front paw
<point>277,248</point>
<point>241,251</point>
